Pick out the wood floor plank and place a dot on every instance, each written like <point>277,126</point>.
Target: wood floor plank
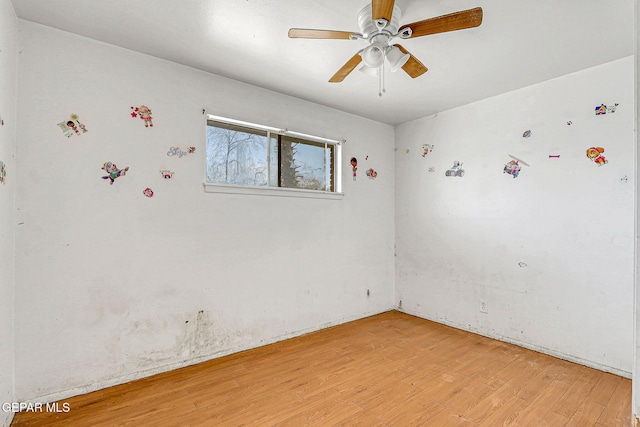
<point>365,418</point>
<point>391,369</point>
<point>585,414</point>
<point>577,393</point>
<point>553,419</point>
<point>331,411</point>
<point>415,411</point>
<point>507,414</point>
<point>494,401</point>
<point>384,396</point>
<point>299,420</point>
<point>518,372</point>
<point>483,366</point>
<point>604,389</point>
<point>618,409</point>
<point>470,397</point>
<point>540,406</point>
<point>450,417</point>
<point>536,385</point>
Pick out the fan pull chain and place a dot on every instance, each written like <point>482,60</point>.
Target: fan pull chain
<point>381,88</point>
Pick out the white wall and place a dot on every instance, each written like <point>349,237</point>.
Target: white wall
<point>8,99</point>
<point>460,240</point>
<point>636,367</point>
<point>115,285</point>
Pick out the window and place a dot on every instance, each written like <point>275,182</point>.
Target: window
<point>257,157</point>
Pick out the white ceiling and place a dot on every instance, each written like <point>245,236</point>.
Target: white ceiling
<point>520,42</point>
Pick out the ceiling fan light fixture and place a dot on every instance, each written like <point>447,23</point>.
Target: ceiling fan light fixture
<point>370,71</point>
<point>373,55</point>
<point>396,58</point>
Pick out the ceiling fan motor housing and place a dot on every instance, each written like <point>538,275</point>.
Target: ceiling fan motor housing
<point>368,26</point>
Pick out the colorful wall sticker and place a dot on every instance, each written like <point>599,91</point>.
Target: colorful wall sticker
<point>3,172</point>
<point>147,192</point>
<point>144,113</point>
<point>526,134</point>
<point>426,149</point>
<point>113,172</point>
<point>456,170</point>
<point>513,167</point>
<point>73,126</point>
<point>603,109</point>
<point>177,151</point>
<point>354,167</point>
<point>595,155</point>
<point>166,174</point>
<point>371,173</point>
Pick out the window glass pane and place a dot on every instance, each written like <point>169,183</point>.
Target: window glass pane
<point>236,155</point>
<point>273,161</point>
<point>243,155</point>
<point>329,159</point>
<point>302,164</point>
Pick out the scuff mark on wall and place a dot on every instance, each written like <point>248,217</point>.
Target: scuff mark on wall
<point>199,337</point>
<point>153,343</point>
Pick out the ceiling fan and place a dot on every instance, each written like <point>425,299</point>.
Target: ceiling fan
<point>379,24</point>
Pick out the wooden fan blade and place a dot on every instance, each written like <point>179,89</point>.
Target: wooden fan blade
<point>442,24</point>
<point>304,33</point>
<point>346,69</point>
<point>382,9</point>
<point>413,67</point>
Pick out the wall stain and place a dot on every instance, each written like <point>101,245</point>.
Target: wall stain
<point>198,336</point>
<point>147,344</point>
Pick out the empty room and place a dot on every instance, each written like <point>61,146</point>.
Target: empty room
<point>318,212</point>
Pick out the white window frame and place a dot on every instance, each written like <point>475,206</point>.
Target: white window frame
<point>279,191</point>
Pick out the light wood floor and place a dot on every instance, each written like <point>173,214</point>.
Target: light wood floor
<point>387,370</point>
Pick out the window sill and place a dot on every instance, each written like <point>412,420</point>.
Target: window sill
<point>271,191</point>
